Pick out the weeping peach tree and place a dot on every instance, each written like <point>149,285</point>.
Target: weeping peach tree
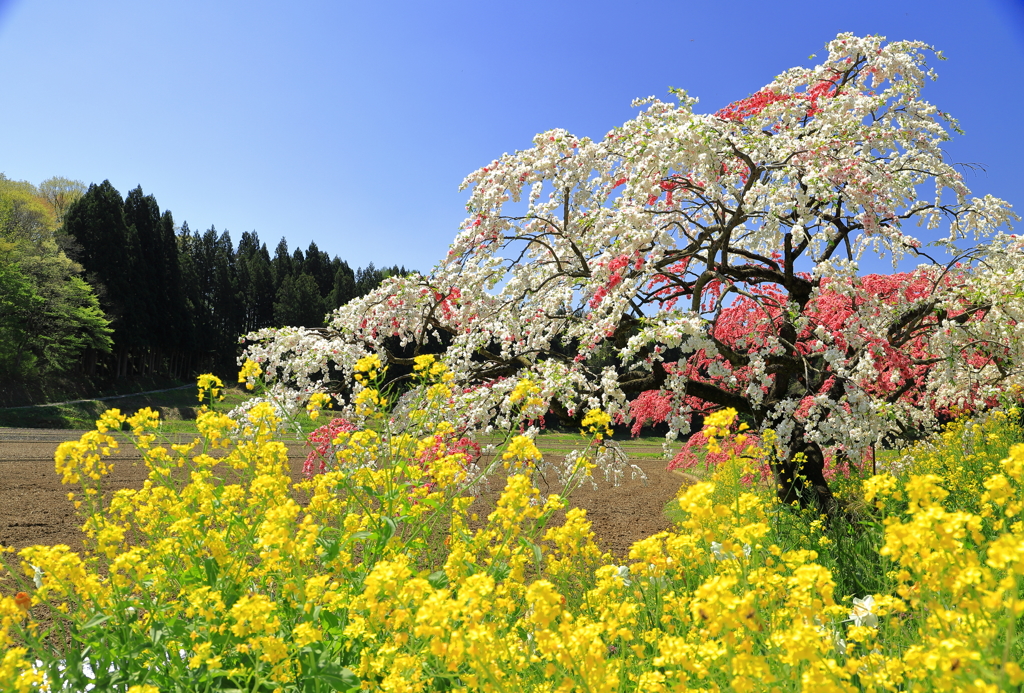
<point>703,261</point>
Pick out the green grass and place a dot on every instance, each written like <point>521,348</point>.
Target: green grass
<point>177,407</point>
<point>647,446</point>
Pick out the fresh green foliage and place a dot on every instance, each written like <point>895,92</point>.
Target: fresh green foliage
<point>49,315</point>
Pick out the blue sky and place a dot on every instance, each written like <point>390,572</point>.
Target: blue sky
<point>352,124</point>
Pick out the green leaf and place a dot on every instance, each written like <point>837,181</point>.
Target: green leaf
<point>538,555</point>
<point>212,570</point>
<point>339,679</point>
<point>330,620</point>
<point>391,528</point>
<point>501,571</point>
<point>97,620</point>
<point>331,548</point>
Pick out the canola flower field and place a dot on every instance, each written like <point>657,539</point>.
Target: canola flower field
<point>213,578</point>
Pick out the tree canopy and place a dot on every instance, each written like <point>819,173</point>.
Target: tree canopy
<point>712,260</point>
<point>49,315</point>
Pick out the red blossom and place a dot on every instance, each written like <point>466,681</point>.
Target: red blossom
<point>650,407</point>
<point>323,440</point>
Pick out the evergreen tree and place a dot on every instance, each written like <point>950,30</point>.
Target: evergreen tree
<point>299,303</point>
<point>318,265</point>
<point>110,254</point>
<point>282,264</point>
<point>142,215</point>
<point>209,271</point>
<point>344,286</point>
<point>189,250</point>
<point>170,282</point>
<point>227,311</point>
<point>194,293</point>
<point>298,263</point>
<point>368,279</point>
<point>255,283</point>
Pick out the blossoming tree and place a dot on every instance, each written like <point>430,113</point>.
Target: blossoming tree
<point>710,261</point>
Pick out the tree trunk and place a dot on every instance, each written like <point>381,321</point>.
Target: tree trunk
<point>800,478</point>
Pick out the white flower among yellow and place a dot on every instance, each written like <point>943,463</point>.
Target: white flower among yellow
<point>720,555</point>
<point>863,613</point>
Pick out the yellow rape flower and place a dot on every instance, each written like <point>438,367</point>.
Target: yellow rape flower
<point>368,368</point>
<point>110,420</point>
<point>254,614</point>
<point>524,389</point>
<point>304,634</point>
<point>522,454</point>
<point>879,486</point>
<point>144,420</point>
<point>209,383</point>
<point>597,423</point>
<point>83,458</point>
<point>367,401</point>
<point>423,362</point>
<point>1013,466</point>
<point>317,401</point>
<point>249,373</point>
<point>216,428</point>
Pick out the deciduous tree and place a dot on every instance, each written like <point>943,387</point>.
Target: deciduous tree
<point>716,257</point>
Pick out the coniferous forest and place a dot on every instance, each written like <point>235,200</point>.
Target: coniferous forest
<point>96,288</point>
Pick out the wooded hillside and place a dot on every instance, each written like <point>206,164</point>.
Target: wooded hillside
<point>96,288</point>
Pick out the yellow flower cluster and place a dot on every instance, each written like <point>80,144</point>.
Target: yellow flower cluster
<point>249,373</point>
<point>717,425</point>
<point>376,576</point>
<point>317,401</point>
<point>210,386</point>
<point>428,366</point>
<point>522,455</point>
<point>527,395</point>
<point>438,392</point>
<point>598,423</point>
<point>368,368</point>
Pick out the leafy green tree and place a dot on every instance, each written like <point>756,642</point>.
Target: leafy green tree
<point>18,301</point>
<point>67,324</point>
<point>23,214</point>
<point>61,193</point>
<point>49,315</point>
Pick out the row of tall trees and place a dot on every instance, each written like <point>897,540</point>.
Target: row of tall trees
<point>231,291</point>
<point>106,287</point>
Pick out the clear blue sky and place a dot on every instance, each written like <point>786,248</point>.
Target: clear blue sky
<point>352,124</point>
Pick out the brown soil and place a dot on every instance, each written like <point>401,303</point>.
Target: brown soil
<point>34,508</point>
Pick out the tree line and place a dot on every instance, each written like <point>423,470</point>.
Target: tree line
<point>98,286</point>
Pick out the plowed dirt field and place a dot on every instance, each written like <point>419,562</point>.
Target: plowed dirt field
<point>34,508</point>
